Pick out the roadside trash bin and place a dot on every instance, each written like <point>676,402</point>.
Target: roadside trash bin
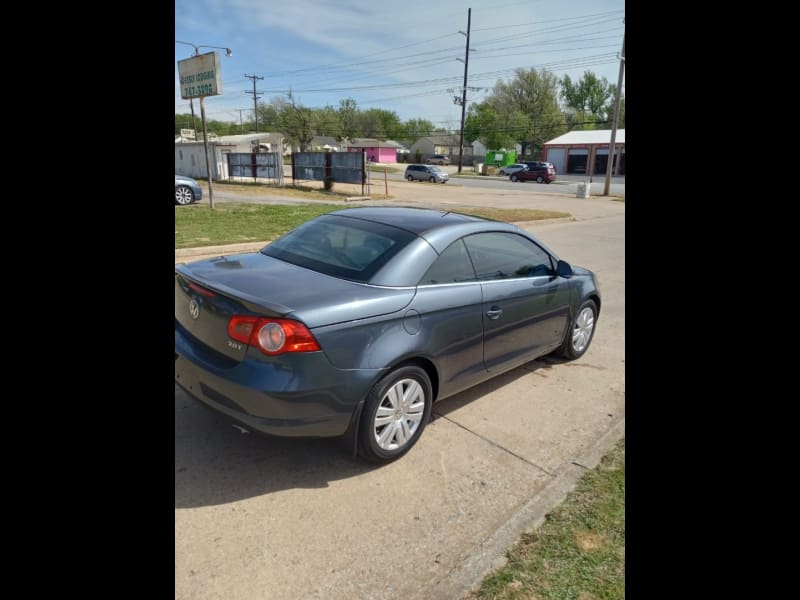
<point>583,190</point>
<point>479,168</point>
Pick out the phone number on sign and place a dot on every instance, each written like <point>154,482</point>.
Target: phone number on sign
<point>205,89</point>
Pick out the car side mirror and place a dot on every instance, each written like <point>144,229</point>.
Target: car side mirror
<point>563,269</point>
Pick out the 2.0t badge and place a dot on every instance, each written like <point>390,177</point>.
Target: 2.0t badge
<point>194,308</point>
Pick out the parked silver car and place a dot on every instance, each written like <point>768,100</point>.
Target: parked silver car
<point>426,173</point>
<point>438,159</point>
<point>511,169</point>
<point>187,190</point>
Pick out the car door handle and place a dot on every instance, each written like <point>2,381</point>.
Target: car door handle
<point>494,312</point>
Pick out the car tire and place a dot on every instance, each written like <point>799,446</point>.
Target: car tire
<point>183,195</point>
<point>580,333</point>
<point>410,178</point>
<point>514,178</point>
<point>540,179</point>
<point>432,179</point>
<point>395,414</point>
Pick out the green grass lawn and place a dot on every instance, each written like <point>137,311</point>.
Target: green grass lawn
<point>231,223</point>
<point>578,553</point>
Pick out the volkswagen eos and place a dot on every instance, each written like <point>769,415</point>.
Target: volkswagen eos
<point>355,322</point>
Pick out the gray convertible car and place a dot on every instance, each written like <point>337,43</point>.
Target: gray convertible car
<point>355,322</point>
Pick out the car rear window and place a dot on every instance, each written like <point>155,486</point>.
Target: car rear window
<point>339,246</point>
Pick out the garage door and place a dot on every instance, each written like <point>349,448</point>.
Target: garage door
<point>556,156</point>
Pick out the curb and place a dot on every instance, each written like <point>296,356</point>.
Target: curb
<point>490,554</point>
<point>219,250</point>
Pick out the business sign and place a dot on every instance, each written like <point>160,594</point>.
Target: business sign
<point>200,76</point>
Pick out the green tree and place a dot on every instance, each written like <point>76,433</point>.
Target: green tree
<point>222,127</point>
<point>184,121</point>
<point>391,126</point>
<point>531,101</point>
<point>327,122</point>
<point>298,123</point>
<point>269,116</point>
<point>587,100</point>
<point>378,123</point>
<point>609,109</point>
<point>414,129</point>
<point>495,126</point>
<point>348,117</point>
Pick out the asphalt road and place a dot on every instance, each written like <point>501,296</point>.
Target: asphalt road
<point>564,184</point>
<point>257,517</point>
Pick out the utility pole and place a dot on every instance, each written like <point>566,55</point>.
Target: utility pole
<point>241,122</point>
<point>194,123</point>
<point>616,118</point>
<point>464,95</point>
<point>255,97</point>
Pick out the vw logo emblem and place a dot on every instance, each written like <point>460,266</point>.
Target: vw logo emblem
<point>194,308</point>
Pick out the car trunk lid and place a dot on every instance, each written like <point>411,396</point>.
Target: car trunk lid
<point>209,292</point>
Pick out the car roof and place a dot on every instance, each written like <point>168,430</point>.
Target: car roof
<point>414,220</point>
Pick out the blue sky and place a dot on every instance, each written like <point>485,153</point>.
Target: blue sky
<point>399,55</point>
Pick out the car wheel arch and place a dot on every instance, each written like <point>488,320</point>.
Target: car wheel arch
<point>350,436</point>
<point>423,363</point>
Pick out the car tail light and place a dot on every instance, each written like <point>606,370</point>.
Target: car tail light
<point>272,336</point>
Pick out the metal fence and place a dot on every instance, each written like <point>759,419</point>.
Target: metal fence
<point>258,165</point>
<point>342,167</point>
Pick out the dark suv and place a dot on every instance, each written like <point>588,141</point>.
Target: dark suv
<point>540,174</point>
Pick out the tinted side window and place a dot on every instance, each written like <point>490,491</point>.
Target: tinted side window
<point>452,266</point>
<point>506,256</point>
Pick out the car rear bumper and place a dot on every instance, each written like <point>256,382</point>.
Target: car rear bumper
<point>314,400</point>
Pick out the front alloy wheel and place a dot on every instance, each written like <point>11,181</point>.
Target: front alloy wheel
<point>183,195</point>
<point>395,414</point>
<point>579,336</point>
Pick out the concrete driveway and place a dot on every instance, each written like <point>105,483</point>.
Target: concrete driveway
<point>267,518</point>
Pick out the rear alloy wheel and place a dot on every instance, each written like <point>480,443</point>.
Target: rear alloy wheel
<point>579,336</point>
<point>410,178</point>
<point>514,178</point>
<point>540,179</point>
<point>183,195</point>
<point>395,414</point>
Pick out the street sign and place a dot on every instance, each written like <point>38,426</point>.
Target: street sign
<point>200,76</point>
